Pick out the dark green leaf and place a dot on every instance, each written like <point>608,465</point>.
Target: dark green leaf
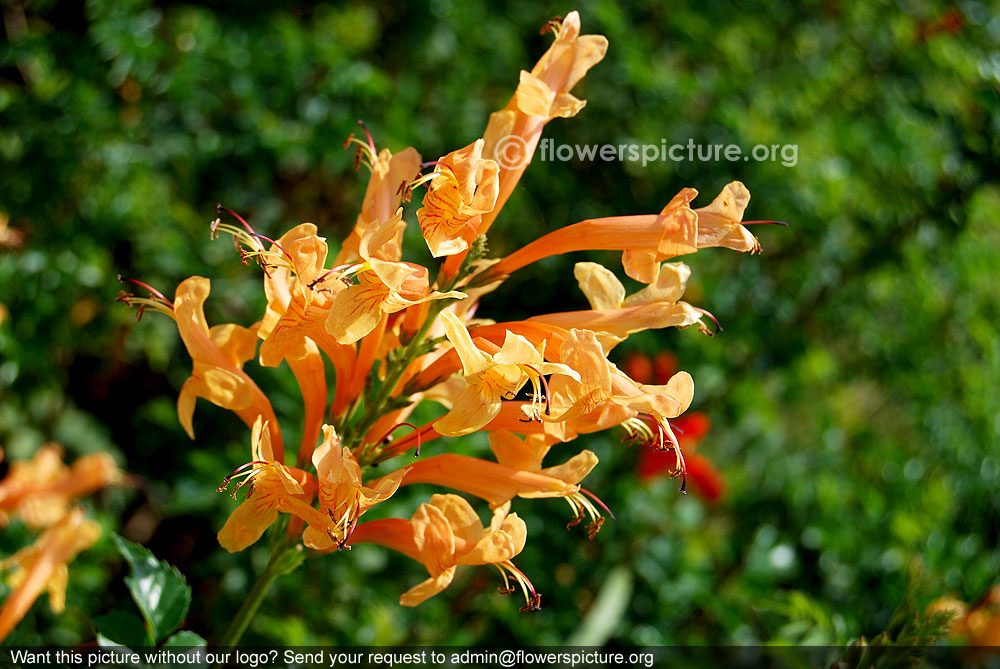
<point>160,590</point>
<point>123,629</point>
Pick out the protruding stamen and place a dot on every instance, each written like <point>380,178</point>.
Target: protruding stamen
<point>441,170</point>
<point>781,223</point>
<point>256,466</point>
<point>251,239</point>
<point>637,431</point>
<point>594,528</point>
<point>545,385</point>
<point>147,287</point>
<point>681,470</point>
<point>339,269</point>
<point>158,302</point>
<point>532,599</point>
<point>666,433</point>
<point>583,507</point>
<point>344,526</point>
<point>219,209</point>
<point>366,150</point>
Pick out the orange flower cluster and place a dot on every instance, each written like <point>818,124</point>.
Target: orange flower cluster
<point>395,338</point>
<point>973,625</point>
<point>41,493</point>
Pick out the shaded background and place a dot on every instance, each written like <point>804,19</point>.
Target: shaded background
<point>851,395</point>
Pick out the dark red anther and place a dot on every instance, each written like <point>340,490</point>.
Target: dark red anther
<point>534,605</point>
<point>553,25</point>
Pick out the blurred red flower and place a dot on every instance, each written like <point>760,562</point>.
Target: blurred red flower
<point>705,479</point>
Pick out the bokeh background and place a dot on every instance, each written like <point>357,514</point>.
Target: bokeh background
<point>852,396</point>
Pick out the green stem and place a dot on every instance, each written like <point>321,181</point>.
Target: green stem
<point>392,377</point>
<point>280,563</point>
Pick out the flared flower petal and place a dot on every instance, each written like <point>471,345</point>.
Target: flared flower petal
<point>384,287</point>
<point>616,316</point>
<point>719,224</point>
<point>444,533</point>
<point>466,188</point>
<point>273,488</point>
<point>492,377</point>
<point>218,355</point>
<point>342,496</point>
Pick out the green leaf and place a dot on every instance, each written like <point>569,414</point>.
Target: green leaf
<point>193,646</point>
<point>122,629</point>
<point>159,589</point>
<point>185,639</point>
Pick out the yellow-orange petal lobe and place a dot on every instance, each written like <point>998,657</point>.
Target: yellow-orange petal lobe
<point>719,224</point>
<point>42,566</point>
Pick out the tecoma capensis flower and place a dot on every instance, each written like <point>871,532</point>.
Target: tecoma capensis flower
<point>382,199</point>
<point>272,488</point>
<point>300,294</point>
<point>465,186</point>
<point>384,287</point>
<point>445,533</point>
<point>342,497</point>
<point>492,377</point>
<point>613,316</point>
<point>646,241</point>
<point>40,491</point>
<point>541,95</point>
<point>43,566</point>
<point>218,354</point>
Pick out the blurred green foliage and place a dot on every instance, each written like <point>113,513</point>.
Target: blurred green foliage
<point>852,393</point>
